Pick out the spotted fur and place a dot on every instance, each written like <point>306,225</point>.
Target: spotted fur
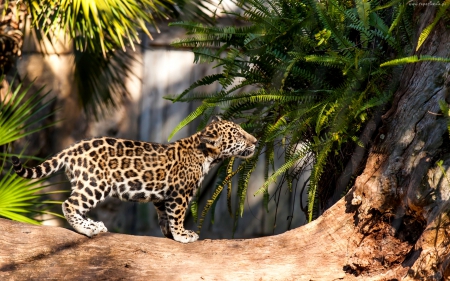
<point>166,174</point>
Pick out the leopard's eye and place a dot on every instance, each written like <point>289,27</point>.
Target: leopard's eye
<point>237,132</point>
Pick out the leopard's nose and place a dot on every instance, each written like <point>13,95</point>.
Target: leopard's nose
<point>254,140</point>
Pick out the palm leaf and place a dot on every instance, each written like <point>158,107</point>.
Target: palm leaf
<point>21,199</point>
<point>19,112</point>
<point>102,31</point>
<point>97,25</point>
<point>101,80</point>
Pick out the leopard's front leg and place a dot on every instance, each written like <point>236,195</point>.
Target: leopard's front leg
<point>176,210</point>
<point>163,220</point>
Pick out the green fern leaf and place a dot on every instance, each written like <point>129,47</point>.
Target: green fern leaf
<point>414,59</point>
<point>446,112</point>
<point>363,9</point>
<point>207,80</point>
<point>199,111</point>
<point>208,206</point>
<point>300,154</point>
<point>427,30</point>
<point>230,174</point>
<point>194,209</point>
<point>248,167</point>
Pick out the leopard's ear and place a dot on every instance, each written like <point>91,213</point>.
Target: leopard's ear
<point>210,142</point>
<point>210,137</point>
<point>216,118</point>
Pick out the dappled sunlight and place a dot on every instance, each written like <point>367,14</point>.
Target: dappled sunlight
<point>217,7</point>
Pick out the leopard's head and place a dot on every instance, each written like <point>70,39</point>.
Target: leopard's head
<point>227,139</point>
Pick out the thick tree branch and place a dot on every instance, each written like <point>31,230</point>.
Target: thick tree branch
<point>313,252</point>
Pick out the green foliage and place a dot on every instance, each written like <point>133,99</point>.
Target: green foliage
<point>19,113</point>
<point>316,76</point>
<point>101,80</point>
<point>102,33</point>
<point>224,179</point>
<point>427,30</point>
<point>20,199</point>
<point>414,59</point>
<point>443,105</point>
<point>446,112</point>
<point>98,26</point>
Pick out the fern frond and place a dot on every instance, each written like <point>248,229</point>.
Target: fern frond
<point>414,59</point>
<point>446,112</point>
<point>340,38</point>
<point>387,5</point>
<point>225,177</point>
<point>207,80</point>
<point>329,61</point>
<point>303,152</point>
<point>208,206</point>
<point>322,148</point>
<point>199,111</point>
<point>194,209</point>
<point>247,168</point>
<point>398,17</point>
<point>228,181</point>
<point>263,96</point>
<point>378,100</point>
<point>427,30</point>
<point>363,9</point>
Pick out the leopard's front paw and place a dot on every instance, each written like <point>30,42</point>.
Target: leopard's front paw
<point>187,236</point>
<point>100,227</point>
<point>91,228</point>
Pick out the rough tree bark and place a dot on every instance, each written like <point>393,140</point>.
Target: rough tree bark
<point>393,224</point>
<point>30,252</point>
<point>402,195</point>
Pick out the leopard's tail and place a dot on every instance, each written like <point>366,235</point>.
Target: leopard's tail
<point>46,168</point>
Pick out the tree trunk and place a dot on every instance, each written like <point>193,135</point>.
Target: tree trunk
<point>393,224</point>
<point>402,195</point>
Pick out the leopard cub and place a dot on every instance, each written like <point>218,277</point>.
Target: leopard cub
<point>166,174</point>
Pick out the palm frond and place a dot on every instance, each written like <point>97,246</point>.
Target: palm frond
<point>100,80</point>
<point>98,26</point>
<point>20,115</point>
<point>20,112</point>
<point>18,198</point>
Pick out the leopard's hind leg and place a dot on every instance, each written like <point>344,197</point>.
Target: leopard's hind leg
<point>82,199</point>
